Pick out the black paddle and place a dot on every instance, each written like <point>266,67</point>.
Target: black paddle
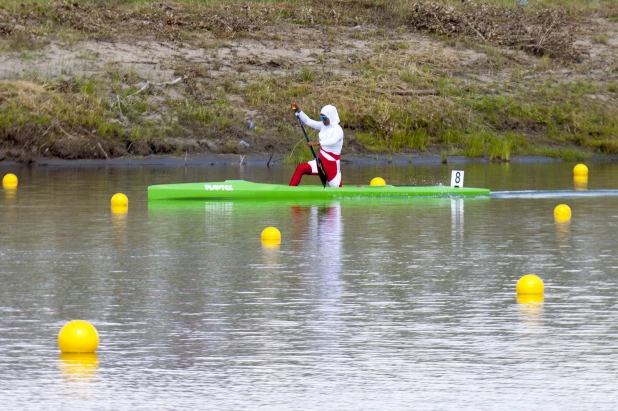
<point>321,171</point>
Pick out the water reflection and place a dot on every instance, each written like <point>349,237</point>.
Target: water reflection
<point>271,244</point>
<point>119,224</point>
<point>562,218</point>
<point>218,210</point>
<point>271,252</point>
<point>79,365</point>
<point>10,192</point>
<point>531,306</point>
<point>563,231</point>
<point>580,183</point>
<point>328,227</point>
<point>324,245</point>
<point>119,216</point>
<point>120,209</point>
<point>325,231</point>
<point>457,223</point>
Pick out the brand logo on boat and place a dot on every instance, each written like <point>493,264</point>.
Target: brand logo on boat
<point>218,187</point>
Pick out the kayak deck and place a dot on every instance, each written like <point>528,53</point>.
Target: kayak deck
<point>245,190</point>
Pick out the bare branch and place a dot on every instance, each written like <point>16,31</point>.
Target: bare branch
<point>148,84</point>
<point>409,92</point>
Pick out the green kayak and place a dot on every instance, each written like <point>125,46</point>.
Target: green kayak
<point>245,190</point>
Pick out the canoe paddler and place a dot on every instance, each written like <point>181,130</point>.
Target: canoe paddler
<point>330,141</point>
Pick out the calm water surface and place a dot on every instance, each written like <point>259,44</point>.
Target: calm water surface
<point>366,305</point>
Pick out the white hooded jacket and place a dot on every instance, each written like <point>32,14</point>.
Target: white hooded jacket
<point>331,136</point>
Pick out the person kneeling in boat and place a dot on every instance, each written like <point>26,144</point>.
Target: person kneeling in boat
<point>330,141</point>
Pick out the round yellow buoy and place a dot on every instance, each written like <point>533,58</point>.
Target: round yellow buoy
<point>120,209</point>
<point>120,199</point>
<point>9,181</point>
<point>530,298</point>
<point>562,212</point>
<point>530,284</point>
<point>377,181</point>
<point>580,170</point>
<point>271,245</point>
<point>271,235</point>
<point>78,336</point>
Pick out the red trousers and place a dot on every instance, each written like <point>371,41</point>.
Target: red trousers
<point>331,167</point>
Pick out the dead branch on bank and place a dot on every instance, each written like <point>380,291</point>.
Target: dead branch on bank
<point>432,92</point>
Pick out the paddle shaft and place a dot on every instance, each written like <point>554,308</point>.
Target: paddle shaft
<point>321,171</point>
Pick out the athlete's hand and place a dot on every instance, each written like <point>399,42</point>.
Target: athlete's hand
<point>295,107</point>
<point>313,143</point>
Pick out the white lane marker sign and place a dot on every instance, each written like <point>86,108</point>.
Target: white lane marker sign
<point>457,178</point>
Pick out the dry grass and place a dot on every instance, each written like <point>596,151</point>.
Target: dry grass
<point>55,120</point>
<point>528,111</point>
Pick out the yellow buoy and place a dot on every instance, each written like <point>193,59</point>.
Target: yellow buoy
<point>120,209</point>
<point>120,199</point>
<point>530,284</point>
<point>271,235</point>
<point>562,218</point>
<point>530,298</point>
<point>78,336</point>
<point>562,212</point>
<point>580,170</point>
<point>9,181</point>
<point>377,181</point>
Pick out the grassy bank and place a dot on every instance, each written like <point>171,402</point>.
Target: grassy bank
<point>476,78</point>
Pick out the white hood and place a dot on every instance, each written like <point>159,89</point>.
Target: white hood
<point>331,135</point>
<point>331,112</point>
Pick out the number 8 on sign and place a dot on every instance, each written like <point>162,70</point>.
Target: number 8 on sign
<point>457,178</point>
